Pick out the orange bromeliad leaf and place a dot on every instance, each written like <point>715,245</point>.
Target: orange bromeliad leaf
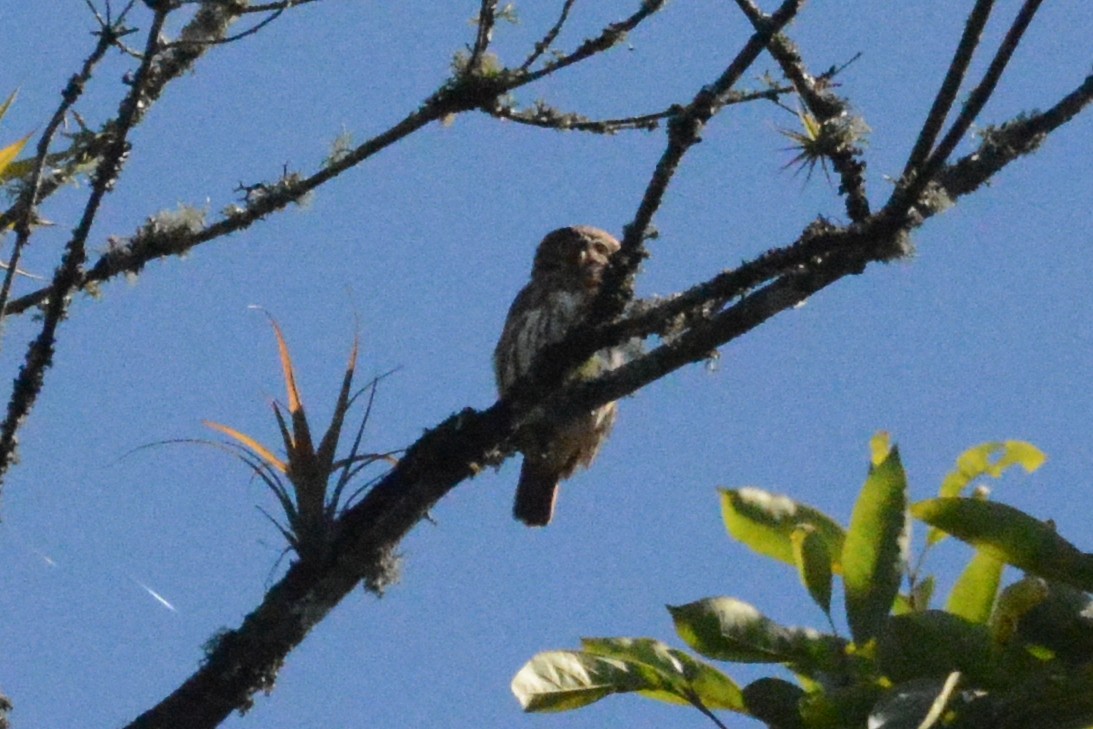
<point>260,450</point>
<point>301,432</point>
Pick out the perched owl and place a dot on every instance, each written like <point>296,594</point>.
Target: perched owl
<point>565,278</point>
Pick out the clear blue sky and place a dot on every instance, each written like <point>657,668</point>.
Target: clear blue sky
<point>987,333</point>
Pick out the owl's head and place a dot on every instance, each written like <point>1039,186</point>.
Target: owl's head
<point>579,253</point>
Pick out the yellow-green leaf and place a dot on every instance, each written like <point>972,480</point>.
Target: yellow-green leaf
<point>990,459</point>
<point>673,675</point>
<point>727,629</point>
<point>880,445</point>
<point>986,459</point>
<point>875,551</point>
<point>765,522</point>
<point>974,593</point>
<point>10,152</point>
<point>1014,603</point>
<point>813,560</point>
<point>565,680</point>
<point>1009,535</point>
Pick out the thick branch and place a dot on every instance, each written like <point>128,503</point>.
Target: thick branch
<point>246,660</point>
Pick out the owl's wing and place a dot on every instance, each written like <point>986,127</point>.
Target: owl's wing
<point>537,319</point>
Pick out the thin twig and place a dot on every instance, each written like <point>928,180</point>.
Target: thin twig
<point>609,37</point>
<point>283,5</point>
<point>27,199</point>
<point>982,92</point>
<point>39,356</point>
<point>546,117</point>
<point>684,131</point>
<point>232,38</point>
<point>551,119</point>
<point>544,44</point>
<point>487,16</point>
<point>946,94</point>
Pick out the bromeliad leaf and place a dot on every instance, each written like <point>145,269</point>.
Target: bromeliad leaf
<point>313,505</point>
<point>265,454</point>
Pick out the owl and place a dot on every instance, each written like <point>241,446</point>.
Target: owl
<point>565,278</point>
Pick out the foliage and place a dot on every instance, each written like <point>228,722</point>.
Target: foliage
<point>991,657</point>
<point>9,152</point>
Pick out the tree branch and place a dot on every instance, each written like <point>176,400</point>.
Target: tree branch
<point>466,92</point>
<point>39,356</point>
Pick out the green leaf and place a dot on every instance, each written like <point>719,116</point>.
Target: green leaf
<point>727,629</point>
<point>774,701</point>
<point>1061,622</point>
<point>932,644</point>
<point>923,593</point>
<point>813,559</point>
<point>974,593</point>
<point>1014,603</point>
<point>1011,536</point>
<point>765,522</point>
<point>875,550</point>
<point>566,680</point>
<point>977,462</point>
<point>840,707</point>
<point>681,678</point>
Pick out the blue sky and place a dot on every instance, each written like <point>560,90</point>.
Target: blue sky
<point>986,333</point>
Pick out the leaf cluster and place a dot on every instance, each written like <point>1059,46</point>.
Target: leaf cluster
<point>990,657</point>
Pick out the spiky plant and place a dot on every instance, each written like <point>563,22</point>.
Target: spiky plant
<point>818,141</point>
<point>310,503</point>
<point>11,151</point>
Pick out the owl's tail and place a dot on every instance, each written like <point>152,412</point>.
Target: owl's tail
<point>535,493</point>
